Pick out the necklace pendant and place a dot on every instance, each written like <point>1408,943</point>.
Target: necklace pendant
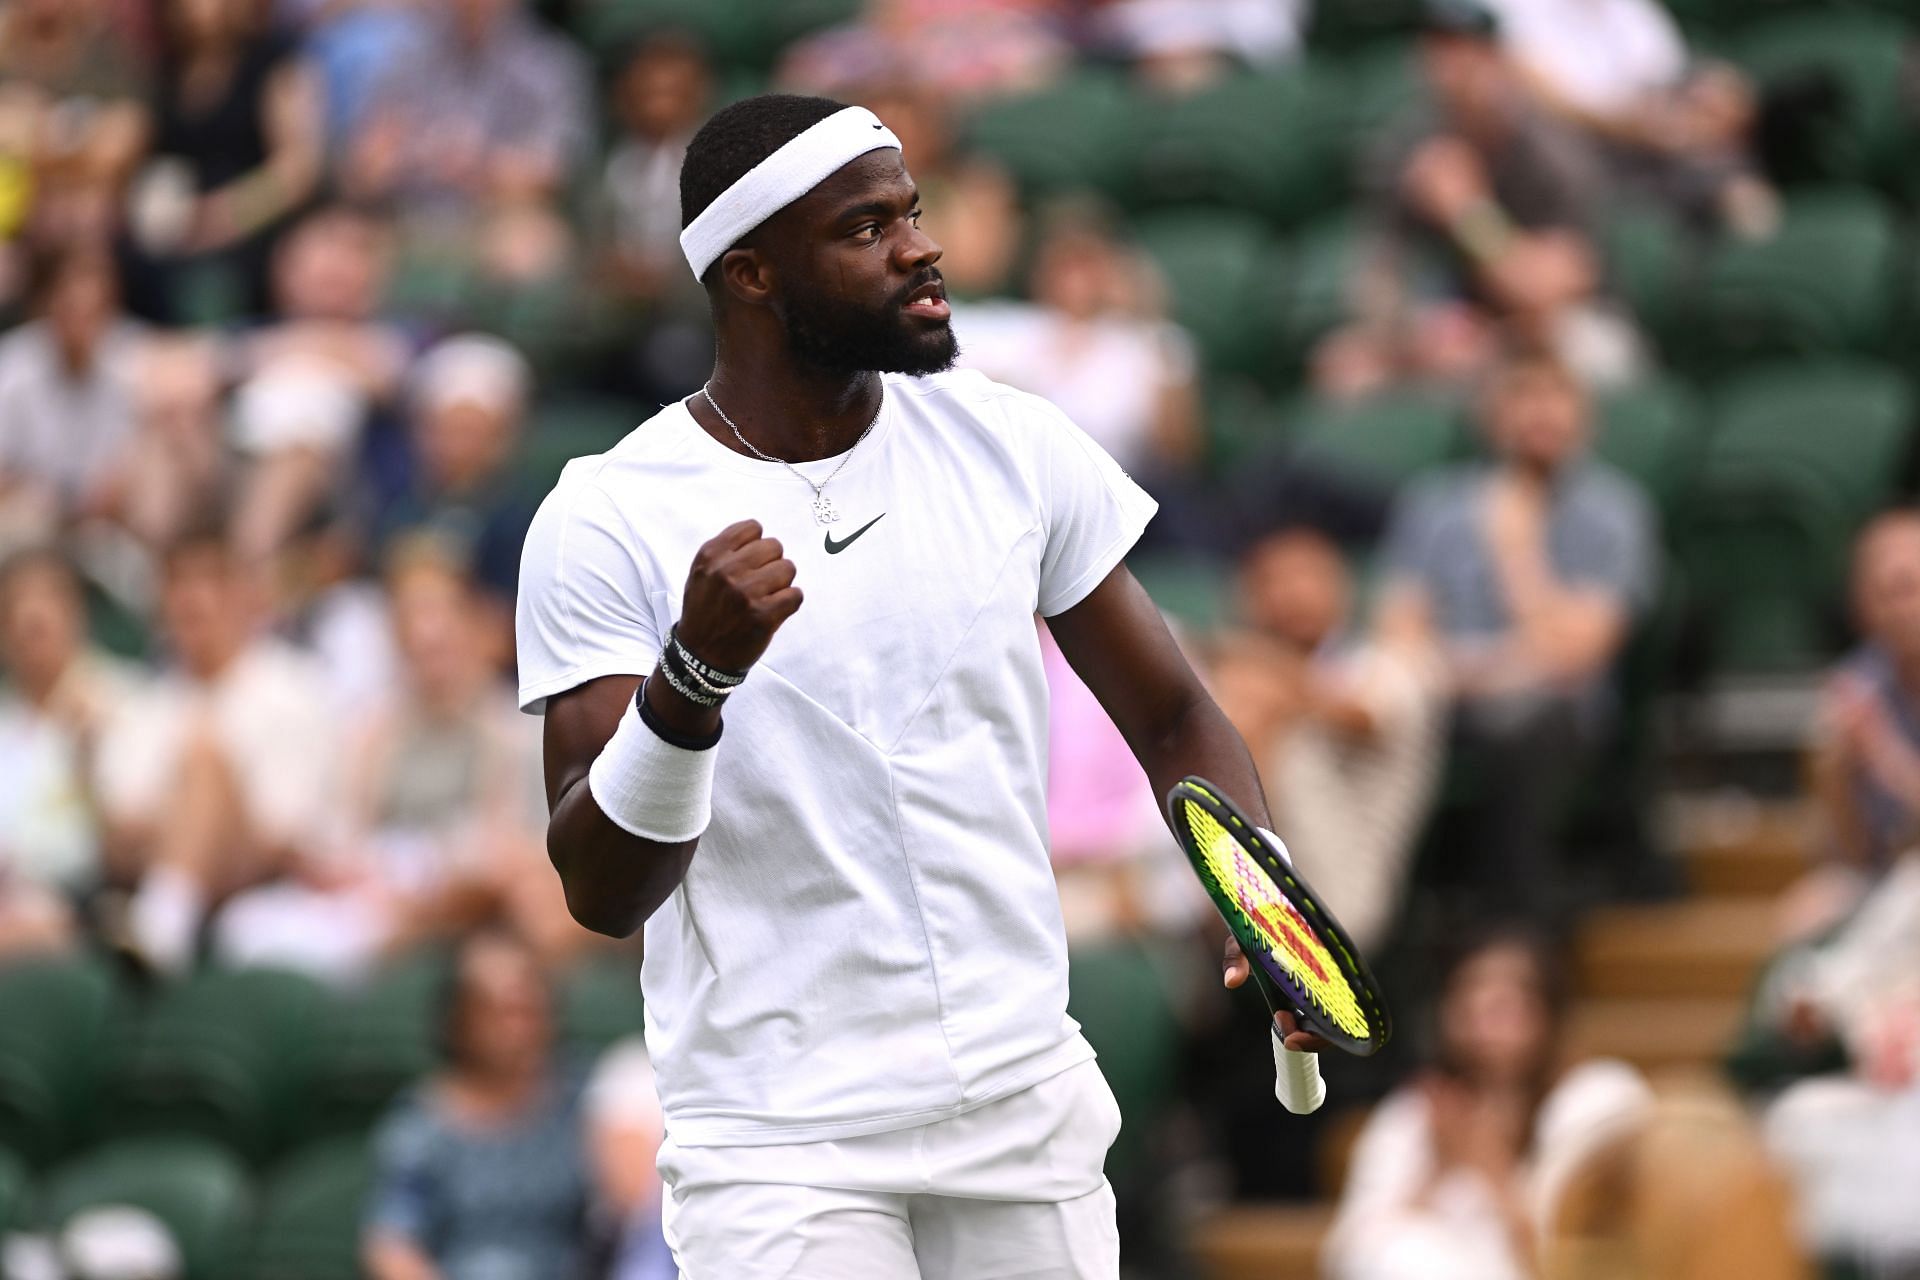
<point>823,510</point>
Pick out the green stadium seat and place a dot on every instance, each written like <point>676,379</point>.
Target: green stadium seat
<point>1242,424</point>
<point>1325,258</point>
<point>1825,283</point>
<point>1226,274</point>
<point>1071,136</point>
<point>198,1190</point>
<point>568,427</point>
<point>1797,459</point>
<point>230,1055</point>
<point>734,31</point>
<point>1365,94</point>
<point>1709,21</point>
<point>1653,266</point>
<point>1346,24</point>
<point>1120,994</point>
<point>1865,54</point>
<point>56,1019</point>
<point>1386,439</point>
<point>1190,590</point>
<point>1843,426</point>
<point>787,21</point>
<point>310,1212</point>
<point>1654,433</point>
<point>1254,142</point>
<point>600,1003</point>
<point>16,1191</point>
<point>381,1040</point>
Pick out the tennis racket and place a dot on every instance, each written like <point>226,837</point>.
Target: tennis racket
<point>1300,957</point>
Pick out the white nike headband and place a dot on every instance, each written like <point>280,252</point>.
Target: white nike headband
<point>783,177</point>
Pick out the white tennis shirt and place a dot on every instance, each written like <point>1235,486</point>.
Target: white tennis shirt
<point>869,935</point>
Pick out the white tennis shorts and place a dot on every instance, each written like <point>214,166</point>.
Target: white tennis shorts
<point>1015,1188</point>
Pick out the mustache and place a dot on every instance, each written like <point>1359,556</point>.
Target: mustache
<point>920,281</point>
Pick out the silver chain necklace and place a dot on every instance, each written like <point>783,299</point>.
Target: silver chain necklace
<point>823,509</point>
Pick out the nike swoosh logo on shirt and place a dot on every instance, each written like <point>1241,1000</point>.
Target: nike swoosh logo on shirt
<point>835,548</point>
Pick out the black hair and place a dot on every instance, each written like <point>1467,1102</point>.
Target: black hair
<point>1544,957</point>
<point>49,269</point>
<point>40,558</point>
<point>740,136</point>
<point>452,979</point>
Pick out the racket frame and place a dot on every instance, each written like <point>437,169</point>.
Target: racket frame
<point>1275,985</point>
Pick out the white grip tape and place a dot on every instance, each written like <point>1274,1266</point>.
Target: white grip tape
<point>1296,1079</point>
<point>650,788</point>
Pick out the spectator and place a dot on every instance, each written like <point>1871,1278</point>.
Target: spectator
<point>1094,343</point>
<point>439,824</point>
<point>330,279</point>
<point>1454,1174</point>
<point>66,399</point>
<point>1179,46</point>
<point>1845,1136</point>
<point>239,145</point>
<point>469,398</point>
<point>1346,731</point>
<point>1527,573</point>
<point>481,1171</point>
<point>661,95</point>
<point>625,1127</point>
<point>176,462</point>
<point>1620,70</point>
<point>1867,764</point>
<point>1485,210</point>
<point>956,48</point>
<point>476,138</point>
<point>57,694</point>
<point>73,123</point>
<point>354,45</point>
<point>311,378</point>
<point>1688,1194</point>
<point>222,775</point>
<point>966,199</point>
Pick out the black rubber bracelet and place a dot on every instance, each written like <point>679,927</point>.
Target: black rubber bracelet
<point>706,670</point>
<point>673,660</point>
<point>672,737</point>
<point>686,689</point>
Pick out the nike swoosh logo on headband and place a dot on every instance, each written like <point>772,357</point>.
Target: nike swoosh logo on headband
<point>835,548</point>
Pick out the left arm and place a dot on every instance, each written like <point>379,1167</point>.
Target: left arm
<point>1117,642</point>
<point>293,107</point>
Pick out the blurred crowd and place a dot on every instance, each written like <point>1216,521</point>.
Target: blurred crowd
<point>303,301</point>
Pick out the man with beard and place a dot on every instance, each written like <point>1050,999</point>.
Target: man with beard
<point>855,972</point>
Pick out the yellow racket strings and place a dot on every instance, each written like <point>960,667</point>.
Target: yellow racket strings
<point>1273,918</point>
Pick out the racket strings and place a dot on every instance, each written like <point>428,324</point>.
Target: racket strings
<point>1288,938</point>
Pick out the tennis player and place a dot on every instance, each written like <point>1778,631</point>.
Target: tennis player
<point>783,638</point>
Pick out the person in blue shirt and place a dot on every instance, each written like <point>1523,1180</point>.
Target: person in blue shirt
<point>482,1171</point>
<point>1527,573</point>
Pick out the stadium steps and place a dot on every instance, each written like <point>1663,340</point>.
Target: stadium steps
<point>1694,948</point>
<point>1743,850</point>
<point>1263,1242</point>
<point>1657,1035</point>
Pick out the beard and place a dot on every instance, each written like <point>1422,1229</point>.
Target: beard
<point>841,337</point>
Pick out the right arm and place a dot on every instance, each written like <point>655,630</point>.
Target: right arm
<point>738,593</point>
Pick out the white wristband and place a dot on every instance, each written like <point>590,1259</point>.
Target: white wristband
<point>650,788</point>
<point>1296,1079</point>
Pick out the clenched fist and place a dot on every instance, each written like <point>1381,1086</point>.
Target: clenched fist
<point>738,593</point>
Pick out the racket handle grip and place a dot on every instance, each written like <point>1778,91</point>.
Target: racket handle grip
<point>1297,1082</point>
